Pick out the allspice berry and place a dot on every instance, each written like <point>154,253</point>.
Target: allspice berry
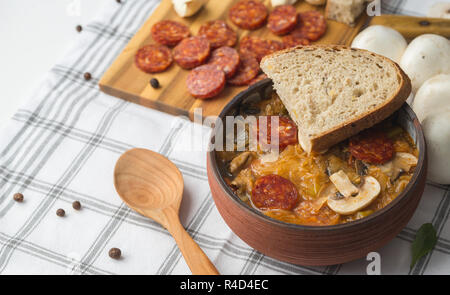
<point>76,205</point>
<point>18,197</point>
<point>60,212</point>
<point>154,82</point>
<point>115,253</point>
<point>87,76</point>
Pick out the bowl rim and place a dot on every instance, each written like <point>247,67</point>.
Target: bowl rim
<point>420,141</point>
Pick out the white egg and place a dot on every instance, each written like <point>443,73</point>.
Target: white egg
<point>432,96</point>
<point>382,40</point>
<point>436,128</point>
<point>426,56</point>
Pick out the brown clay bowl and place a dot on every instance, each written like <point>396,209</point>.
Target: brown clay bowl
<point>318,245</point>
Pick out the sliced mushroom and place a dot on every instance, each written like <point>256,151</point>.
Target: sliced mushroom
<point>360,168</point>
<point>239,161</point>
<point>243,184</point>
<point>402,162</point>
<point>388,169</point>
<point>337,196</point>
<point>405,161</point>
<point>334,164</point>
<point>349,205</point>
<point>325,192</point>
<point>343,184</point>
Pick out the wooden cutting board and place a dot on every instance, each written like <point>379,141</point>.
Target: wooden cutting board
<point>411,27</point>
<point>123,79</point>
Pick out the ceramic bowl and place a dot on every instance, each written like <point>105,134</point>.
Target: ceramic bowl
<point>317,245</point>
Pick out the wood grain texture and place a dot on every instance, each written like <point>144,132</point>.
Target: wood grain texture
<point>411,27</point>
<point>123,79</point>
<point>317,245</point>
<point>153,186</point>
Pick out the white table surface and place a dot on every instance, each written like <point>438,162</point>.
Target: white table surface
<point>33,36</point>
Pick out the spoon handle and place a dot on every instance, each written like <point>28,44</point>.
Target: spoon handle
<point>194,256</point>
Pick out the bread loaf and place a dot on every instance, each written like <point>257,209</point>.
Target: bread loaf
<point>334,92</point>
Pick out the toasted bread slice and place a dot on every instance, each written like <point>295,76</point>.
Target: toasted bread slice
<point>334,92</point>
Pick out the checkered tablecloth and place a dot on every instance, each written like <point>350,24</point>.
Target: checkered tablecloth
<point>62,146</point>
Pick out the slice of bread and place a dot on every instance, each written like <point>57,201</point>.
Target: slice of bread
<point>333,92</point>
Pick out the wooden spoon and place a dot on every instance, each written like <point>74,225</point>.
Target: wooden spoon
<point>153,186</point>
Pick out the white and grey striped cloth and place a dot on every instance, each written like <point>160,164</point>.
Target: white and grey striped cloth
<point>63,144</point>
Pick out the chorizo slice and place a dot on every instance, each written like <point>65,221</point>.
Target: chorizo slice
<point>153,58</point>
<point>293,40</point>
<point>248,14</point>
<point>247,70</point>
<point>287,132</point>
<point>225,59</point>
<point>259,47</point>
<point>282,19</point>
<point>168,32</point>
<point>372,146</point>
<point>205,81</point>
<point>191,52</point>
<point>218,34</point>
<point>274,192</point>
<point>310,25</point>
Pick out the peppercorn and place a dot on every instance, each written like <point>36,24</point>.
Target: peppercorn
<point>118,1</point>
<point>76,205</point>
<point>87,76</point>
<point>115,253</point>
<point>79,28</point>
<point>60,212</point>
<point>18,197</point>
<point>154,82</point>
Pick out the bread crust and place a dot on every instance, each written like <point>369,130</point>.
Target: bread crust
<point>366,120</point>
